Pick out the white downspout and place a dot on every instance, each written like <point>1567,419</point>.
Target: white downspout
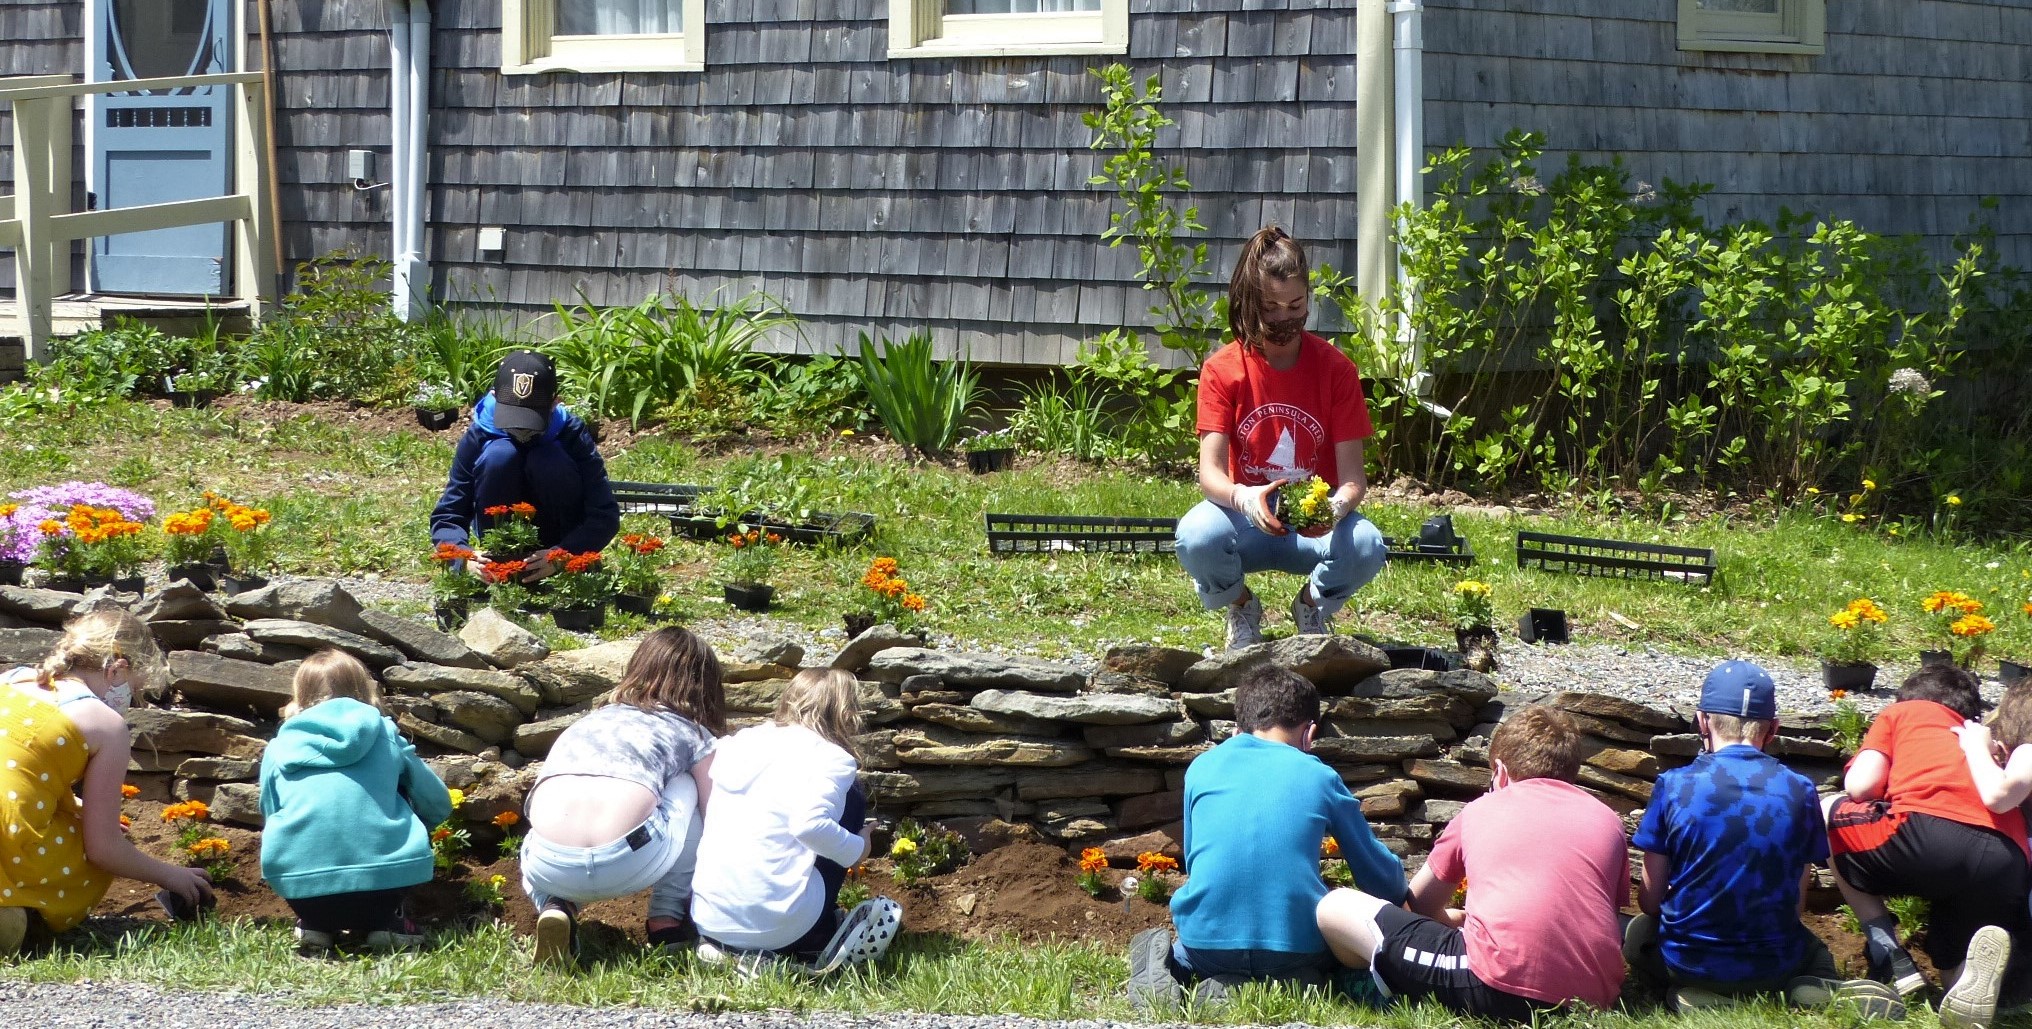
<point>398,152</point>
<point>409,99</point>
<point>1408,96</point>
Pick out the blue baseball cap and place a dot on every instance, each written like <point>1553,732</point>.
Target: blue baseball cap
<point>1739,688</point>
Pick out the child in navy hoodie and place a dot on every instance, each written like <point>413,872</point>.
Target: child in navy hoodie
<point>348,808</point>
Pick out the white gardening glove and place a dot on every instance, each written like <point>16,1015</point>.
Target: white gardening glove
<point>1254,503</point>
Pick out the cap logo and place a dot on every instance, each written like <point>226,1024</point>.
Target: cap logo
<point>523,385</point>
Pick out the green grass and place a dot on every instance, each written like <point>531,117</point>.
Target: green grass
<point>352,499</point>
<point>934,975</point>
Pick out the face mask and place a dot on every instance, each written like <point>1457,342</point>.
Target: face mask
<point>524,437</point>
<point>119,698</point>
<point>1284,330</point>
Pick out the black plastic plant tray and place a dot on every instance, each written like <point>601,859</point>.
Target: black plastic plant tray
<point>1046,534</point>
<point>1615,558</point>
<point>679,503</point>
<point>1460,553</point>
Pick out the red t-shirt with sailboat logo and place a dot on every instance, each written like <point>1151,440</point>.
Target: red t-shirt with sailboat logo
<point>1283,424</point>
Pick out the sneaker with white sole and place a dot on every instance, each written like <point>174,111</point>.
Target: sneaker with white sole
<point>1971,1003</point>
<point>556,934</point>
<point>1307,618</point>
<point>312,943</point>
<point>1151,982</point>
<point>748,964</point>
<point>405,936</point>
<point>13,930</point>
<point>1245,624</point>
<point>1869,998</point>
<point>1898,970</point>
<point>863,936</point>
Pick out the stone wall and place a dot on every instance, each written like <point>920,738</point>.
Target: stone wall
<point>996,747</point>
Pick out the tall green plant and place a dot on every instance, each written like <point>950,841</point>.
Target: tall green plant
<point>626,362</point>
<point>1189,318</point>
<point>923,403</point>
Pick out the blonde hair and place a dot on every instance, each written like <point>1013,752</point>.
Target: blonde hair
<point>329,675</point>
<point>1727,729</point>
<point>825,700</point>
<point>95,640</point>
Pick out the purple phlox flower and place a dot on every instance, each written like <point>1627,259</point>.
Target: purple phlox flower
<point>60,497</point>
<point>20,536</point>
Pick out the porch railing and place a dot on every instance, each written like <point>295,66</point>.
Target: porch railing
<point>37,222</point>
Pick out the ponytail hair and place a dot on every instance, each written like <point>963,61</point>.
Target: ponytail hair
<point>1269,254</point>
<point>94,640</point>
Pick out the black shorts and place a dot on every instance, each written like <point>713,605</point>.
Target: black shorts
<point>1424,960</point>
<point>1971,876</point>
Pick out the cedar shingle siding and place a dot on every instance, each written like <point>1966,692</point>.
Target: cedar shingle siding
<point>881,195</point>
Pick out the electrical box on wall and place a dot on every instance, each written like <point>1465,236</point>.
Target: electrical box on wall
<point>360,165</point>
<point>491,239</point>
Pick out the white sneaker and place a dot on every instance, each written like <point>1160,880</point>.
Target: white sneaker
<point>1310,619</point>
<point>1971,1003</point>
<point>1245,624</point>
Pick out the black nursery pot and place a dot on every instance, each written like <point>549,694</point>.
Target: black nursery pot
<point>10,573</point>
<point>1542,625</point>
<point>200,575</point>
<point>233,584</point>
<point>1859,676</point>
<point>981,462</point>
<point>748,596</point>
<point>128,583</point>
<point>193,398</point>
<point>857,622</point>
<point>634,604</point>
<point>2011,673</point>
<point>436,421</point>
<point>1930,658</point>
<point>579,619</point>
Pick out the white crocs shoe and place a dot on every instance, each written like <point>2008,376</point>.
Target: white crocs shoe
<point>863,936</point>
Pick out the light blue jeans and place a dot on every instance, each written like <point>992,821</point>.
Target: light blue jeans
<point>659,855</point>
<point>1217,546</point>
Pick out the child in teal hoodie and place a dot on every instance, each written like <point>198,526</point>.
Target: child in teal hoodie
<point>348,808</point>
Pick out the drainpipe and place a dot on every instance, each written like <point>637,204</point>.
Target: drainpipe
<point>1408,93</point>
<point>409,36</point>
<point>1375,170</point>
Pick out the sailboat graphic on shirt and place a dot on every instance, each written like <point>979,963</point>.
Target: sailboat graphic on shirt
<point>1279,441</point>
<point>1283,462</point>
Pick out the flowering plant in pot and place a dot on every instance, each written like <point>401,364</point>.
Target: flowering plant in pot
<point>1153,872</point>
<point>91,545</point>
<point>579,590</point>
<point>436,405</point>
<point>506,592</point>
<point>1847,656</point>
<point>1474,623</point>
<point>1306,507</point>
<point>989,451</point>
<point>18,542</point>
<point>637,572</point>
<point>744,571</point>
<point>509,532</point>
<point>188,539</point>
<point>250,549</point>
<point>889,599</point>
<point>2009,672</point>
<point>1959,617</point>
<point>453,586</point>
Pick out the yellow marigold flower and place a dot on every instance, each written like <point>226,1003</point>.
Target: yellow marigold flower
<point>1954,500</point>
<point>1844,620</point>
<point>1330,847</point>
<point>497,881</point>
<point>8,509</point>
<point>1852,517</point>
<point>1813,491</point>
<point>458,798</point>
<point>1869,484</point>
<point>903,847</point>
<point>912,602</point>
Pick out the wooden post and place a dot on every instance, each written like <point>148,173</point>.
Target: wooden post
<point>254,250</point>
<point>60,135</point>
<point>33,201</point>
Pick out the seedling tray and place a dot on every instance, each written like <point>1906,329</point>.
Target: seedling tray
<point>679,503</point>
<point>1460,552</point>
<point>1581,555</point>
<point>1046,534</point>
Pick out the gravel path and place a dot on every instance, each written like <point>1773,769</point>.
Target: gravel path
<point>107,1006</point>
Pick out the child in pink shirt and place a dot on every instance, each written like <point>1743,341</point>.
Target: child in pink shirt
<point>1546,866</point>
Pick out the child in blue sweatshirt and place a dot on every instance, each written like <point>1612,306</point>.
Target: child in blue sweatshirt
<point>348,808</point>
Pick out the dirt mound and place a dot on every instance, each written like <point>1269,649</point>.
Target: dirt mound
<point>1026,890</point>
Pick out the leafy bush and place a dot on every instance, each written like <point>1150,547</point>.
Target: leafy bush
<point>818,396</point>
<point>630,362</point>
<point>135,359</point>
<point>923,403</point>
<point>460,352</point>
<point>335,338</point>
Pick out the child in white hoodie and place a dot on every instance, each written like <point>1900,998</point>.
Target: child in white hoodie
<point>785,824</point>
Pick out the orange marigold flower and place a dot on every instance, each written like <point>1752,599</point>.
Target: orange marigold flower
<point>522,509</point>
<point>129,790</point>
<point>774,538</point>
<point>2028,608</point>
<point>1972,625</point>
<point>499,572</point>
<point>126,822</point>
<point>874,580</point>
<point>1093,859</point>
<point>1837,694</point>
<point>440,834</point>
<point>1151,862</point>
<point>50,527</point>
<point>506,819</point>
<point>912,602</point>
<point>1330,847</point>
<point>580,564</point>
<point>210,847</point>
<point>495,511</point>
<point>885,565</point>
<point>449,552</point>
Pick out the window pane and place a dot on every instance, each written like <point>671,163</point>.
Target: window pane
<point>618,17</point>
<point>1740,6</point>
<point>161,38</point>
<point>1018,6</point>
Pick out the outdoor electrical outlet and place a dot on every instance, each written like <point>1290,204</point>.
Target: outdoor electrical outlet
<point>360,165</point>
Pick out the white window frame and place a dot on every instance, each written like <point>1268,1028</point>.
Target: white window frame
<point>530,44</point>
<point>1799,27</point>
<point>921,28</point>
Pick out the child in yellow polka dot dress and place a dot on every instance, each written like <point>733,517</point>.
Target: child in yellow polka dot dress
<point>61,725</point>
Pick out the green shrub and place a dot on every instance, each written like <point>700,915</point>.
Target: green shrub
<point>923,403</point>
<point>335,338</point>
<point>134,359</point>
<point>629,362</point>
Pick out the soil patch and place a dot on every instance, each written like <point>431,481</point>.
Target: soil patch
<point>1025,890</point>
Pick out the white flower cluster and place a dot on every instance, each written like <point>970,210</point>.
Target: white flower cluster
<point>1906,380</point>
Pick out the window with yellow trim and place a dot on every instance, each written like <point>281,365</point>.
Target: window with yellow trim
<point>602,35</point>
<point>1755,26</point>
<point>998,28</point>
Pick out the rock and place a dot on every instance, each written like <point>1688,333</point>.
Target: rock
<point>433,679</point>
<point>228,769</point>
<point>1467,691</point>
<point>1629,786</point>
<point>322,601</point>
<point>535,739</point>
<point>973,719</point>
<point>1163,840</point>
<point>928,745</point>
<point>241,647</point>
<point>442,735</point>
<point>482,714</point>
<point>503,643</point>
<point>1077,820</point>
<point>854,657</point>
<point>237,803</point>
<point>877,750</point>
<point>225,682</point>
<point>984,833</point>
<point>771,650</point>
<point>1394,703</point>
<point>737,671</point>
<point>420,642</point>
<point>193,732</point>
<point>1104,681</point>
<point>1439,812</point>
<point>1094,779</point>
<point>1619,760</point>
<point>46,607</point>
<point>1333,749</point>
<point>1436,728</point>
<point>1150,809</point>
<point>756,697</point>
<point>921,684</point>
<point>179,601</point>
<point>178,635</point>
<point>1210,705</point>
<point>1616,709</point>
<point>1157,734</point>
<point>1448,776</point>
<point>576,676</point>
<point>1609,730</point>
<point>1220,729</point>
<point>314,636</point>
<point>878,708</point>
<point>1167,665</point>
<point>156,760</point>
<point>421,707</point>
<point>26,646</point>
<point>1163,755</point>
<point>1085,708</point>
<point>1355,775</point>
<point>1415,832</point>
<point>964,903</point>
<point>977,670</point>
<point>919,785</point>
<point>1471,686</point>
<point>1794,747</point>
<point>1333,663</point>
<point>914,700</point>
<point>1676,745</point>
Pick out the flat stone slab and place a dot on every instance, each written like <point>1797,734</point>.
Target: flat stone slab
<point>314,636</point>
<point>981,671</point>
<point>1084,708</point>
<point>229,769</point>
<point>1210,705</point>
<point>1152,734</point>
<point>1333,663</point>
<point>242,647</point>
<point>440,735</point>
<point>1335,749</point>
<point>434,679</point>
<point>534,739</point>
<point>1449,776</point>
<point>755,697</point>
<point>482,714</point>
<point>323,601</point>
<point>935,745</point>
<point>1466,685</point>
<point>966,718</point>
<point>576,676</point>
<point>420,642</point>
<point>179,602</point>
<point>26,646</point>
<point>1148,661</point>
<point>49,607</point>
<point>217,681</point>
<point>854,657</point>
<point>237,803</point>
<point>157,729</point>
<point>189,635</point>
<point>1616,709</point>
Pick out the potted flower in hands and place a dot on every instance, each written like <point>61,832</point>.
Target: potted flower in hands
<point>1845,659</point>
<point>249,548</point>
<point>1305,507</point>
<point>1960,618</point>
<point>1474,624</point>
<point>579,589</point>
<point>889,600</point>
<point>746,567</point>
<point>637,571</point>
<point>187,550</point>
<point>436,405</point>
<point>989,451</point>
<point>453,585</point>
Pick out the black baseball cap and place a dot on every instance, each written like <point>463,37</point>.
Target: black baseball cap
<point>525,390</point>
